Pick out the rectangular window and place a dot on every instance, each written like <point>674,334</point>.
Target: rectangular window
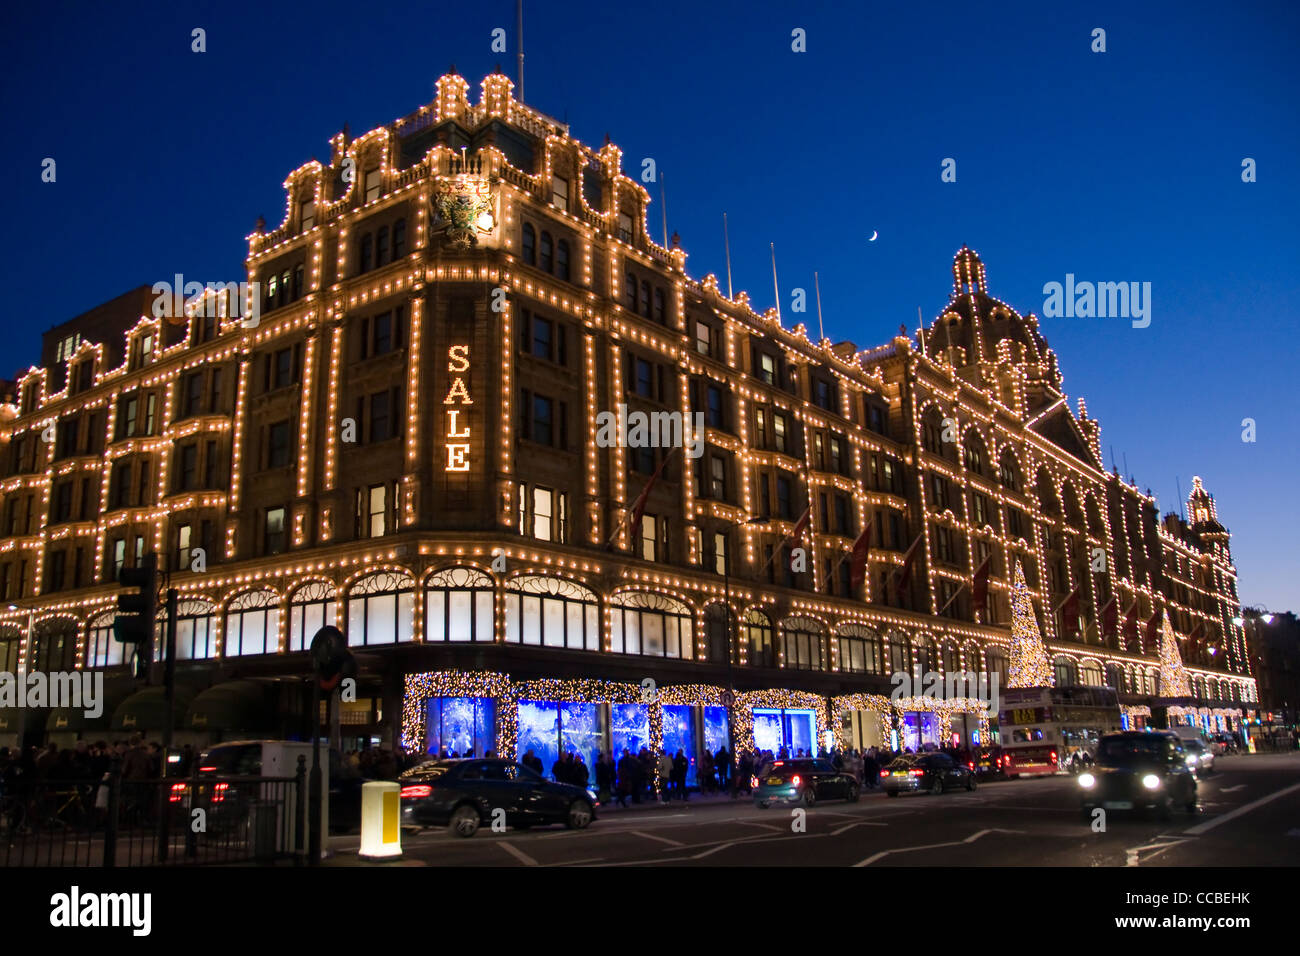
<point>193,393</point>
<point>624,227</point>
<point>273,533</point>
<point>783,499</point>
<point>716,410</point>
<point>644,378</point>
<point>376,501</point>
<point>543,420</point>
<point>184,536</point>
<point>824,394</point>
<point>767,368</point>
<point>282,369</point>
<point>560,192</point>
<point>703,339</point>
<point>278,445</point>
<point>760,427</point>
<point>373,183</point>
<point>719,553</point>
<point>778,432</point>
<point>119,556</point>
<point>307,215</point>
<point>380,417</point>
<point>718,477</point>
<point>649,537</point>
<point>189,467</point>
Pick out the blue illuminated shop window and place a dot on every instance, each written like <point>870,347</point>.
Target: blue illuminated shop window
<point>793,730</point>
<point>460,726</point>
<point>629,728</point>
<point>549,728</point>
<point>679,734</point>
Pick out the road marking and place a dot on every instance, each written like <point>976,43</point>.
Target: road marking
<point>517,853</point>
<point>1240,786</point>
<point>1246,808</point>
<point>651,836</point>
<point>1132,855</point>
<point>590,859</point>
<point>765,826</point>
<point>860,823</point>
<point>932,846</point>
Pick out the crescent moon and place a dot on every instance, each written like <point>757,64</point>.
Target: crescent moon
<point>873,236</point>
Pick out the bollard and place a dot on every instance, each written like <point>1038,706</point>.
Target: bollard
<point>381,820</point>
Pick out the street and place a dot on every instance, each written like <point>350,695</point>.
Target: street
<point>1249,816</point>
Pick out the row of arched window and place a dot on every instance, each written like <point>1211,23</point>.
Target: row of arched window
<point>548,254</point>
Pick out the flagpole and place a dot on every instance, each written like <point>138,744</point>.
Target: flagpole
<point>821,331</point>
<point>726,245</point>
<point>663,202</point>
<point>775,290</point>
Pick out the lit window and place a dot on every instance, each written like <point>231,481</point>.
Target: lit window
<point>273,538</point>
<point>308,215</point>
<point>703,339</point>
<point>560,193</point>
<point>625,227</point>
<point>649,536</point>
<point>719,553</point>
<point>542,515</point>
<point>373,181</point>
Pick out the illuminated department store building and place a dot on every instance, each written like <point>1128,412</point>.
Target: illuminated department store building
<point>405,445</point>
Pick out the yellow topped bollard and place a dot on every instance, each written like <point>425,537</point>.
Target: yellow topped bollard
<point>381,820</point>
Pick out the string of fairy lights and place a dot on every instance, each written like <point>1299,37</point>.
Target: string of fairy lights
<point>829,713</point>
<point>997,418</point>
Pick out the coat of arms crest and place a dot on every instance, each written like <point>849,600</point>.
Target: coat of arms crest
<point>464,209</point>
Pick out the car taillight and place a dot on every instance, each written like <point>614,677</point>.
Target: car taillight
<point>418,790</point>
<point>207,769</point>
<point>753,781</point>
<point>219,792</point>
<point>971,764</point>
<point>884,773</point>
<point>795,780</point>
<point>916,773</point>
<point>178,789</point>
<point>1053,757</point>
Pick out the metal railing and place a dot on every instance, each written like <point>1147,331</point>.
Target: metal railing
<point>118,822</point>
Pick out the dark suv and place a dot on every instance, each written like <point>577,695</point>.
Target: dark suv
<point>1138,770</point>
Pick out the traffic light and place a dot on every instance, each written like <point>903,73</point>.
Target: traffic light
<point>136,612</point>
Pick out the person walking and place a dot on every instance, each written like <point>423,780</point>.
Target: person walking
<point>680,768</point>
<point>625,774</point>
<point>665,775</point>
<point>722,763</point>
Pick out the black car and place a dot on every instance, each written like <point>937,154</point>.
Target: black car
<point>926,773</point>
<point>1138,770</point>
<point>802,781</point>
<point>464,794</point>
<point>992,762</point>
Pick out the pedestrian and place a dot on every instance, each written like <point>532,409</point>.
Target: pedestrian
<point>722,763</point>
<point>604,777</point>
<point>681,766</point>
<point>625,774</point>
<point>706,778</point>
<point>665,775</point>
<point>579,775</point>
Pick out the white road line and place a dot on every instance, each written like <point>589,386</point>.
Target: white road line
<point>517,853</point>
<point>1240,786</point>
<point>765,826</point>
<point>1132,855</point>
<point>931,846</point>
<point>1246,808</point>
<point>860,823</point>
<point>590,859</point>
<point>651,836</point>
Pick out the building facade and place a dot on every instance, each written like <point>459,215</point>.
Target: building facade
<point>400,425</point>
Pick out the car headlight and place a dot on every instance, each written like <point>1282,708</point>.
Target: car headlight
<point>1192,760</point>
<point>1087,780</point>
<point>1151,782</point>
<point>592,794</point>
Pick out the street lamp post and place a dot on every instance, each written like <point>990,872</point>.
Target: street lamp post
<point>1250,625</point>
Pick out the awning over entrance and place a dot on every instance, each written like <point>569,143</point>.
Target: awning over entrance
<point>235,705</point>
<point>74,719</point>
<point>147,709</point>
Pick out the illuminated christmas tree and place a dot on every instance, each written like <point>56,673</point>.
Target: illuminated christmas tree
<point>1173,677</point>
<point>1030,666</point>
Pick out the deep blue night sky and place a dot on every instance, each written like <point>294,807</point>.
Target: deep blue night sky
<point>1122,166</point>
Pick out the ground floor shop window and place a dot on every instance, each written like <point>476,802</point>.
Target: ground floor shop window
<point>920,728</point>
<point>460,726</point>
<point>793,730</point>
<point>550,728</point>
